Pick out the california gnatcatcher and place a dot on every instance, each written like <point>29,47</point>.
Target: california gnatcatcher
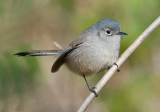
<point>94,50</point>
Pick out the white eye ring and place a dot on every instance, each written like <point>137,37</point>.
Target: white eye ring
<point>108,32</point>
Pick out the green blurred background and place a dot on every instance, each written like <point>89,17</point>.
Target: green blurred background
<point>26,83</point>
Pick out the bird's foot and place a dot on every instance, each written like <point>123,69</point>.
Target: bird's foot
<point>118,70</point>
<point>93,91</point>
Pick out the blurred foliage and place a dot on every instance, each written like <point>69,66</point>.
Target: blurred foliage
<point>17,75</point>
<point>39,22</point>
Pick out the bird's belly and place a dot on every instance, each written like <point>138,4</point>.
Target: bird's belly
<point>91,60</point>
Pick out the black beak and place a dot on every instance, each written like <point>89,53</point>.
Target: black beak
<point>121,33</point>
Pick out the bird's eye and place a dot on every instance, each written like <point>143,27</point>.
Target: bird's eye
<point>108,32</point>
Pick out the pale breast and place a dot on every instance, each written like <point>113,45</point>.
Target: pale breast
<point>92,57</point>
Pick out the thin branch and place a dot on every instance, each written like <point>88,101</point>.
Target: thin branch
<point>119,62</point>
<point>57,45</point>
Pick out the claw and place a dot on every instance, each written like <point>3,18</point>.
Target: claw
<point>116,64</point>
<point>93,91</point>
<point>118,70</point>
<point>94,87</point>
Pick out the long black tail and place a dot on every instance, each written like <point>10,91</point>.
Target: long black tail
<point>40,53</point>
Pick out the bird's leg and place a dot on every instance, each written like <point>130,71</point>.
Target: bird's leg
<point>118,70</point>
<point>90,89</point>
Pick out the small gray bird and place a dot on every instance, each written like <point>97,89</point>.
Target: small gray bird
<point>94,50</point>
